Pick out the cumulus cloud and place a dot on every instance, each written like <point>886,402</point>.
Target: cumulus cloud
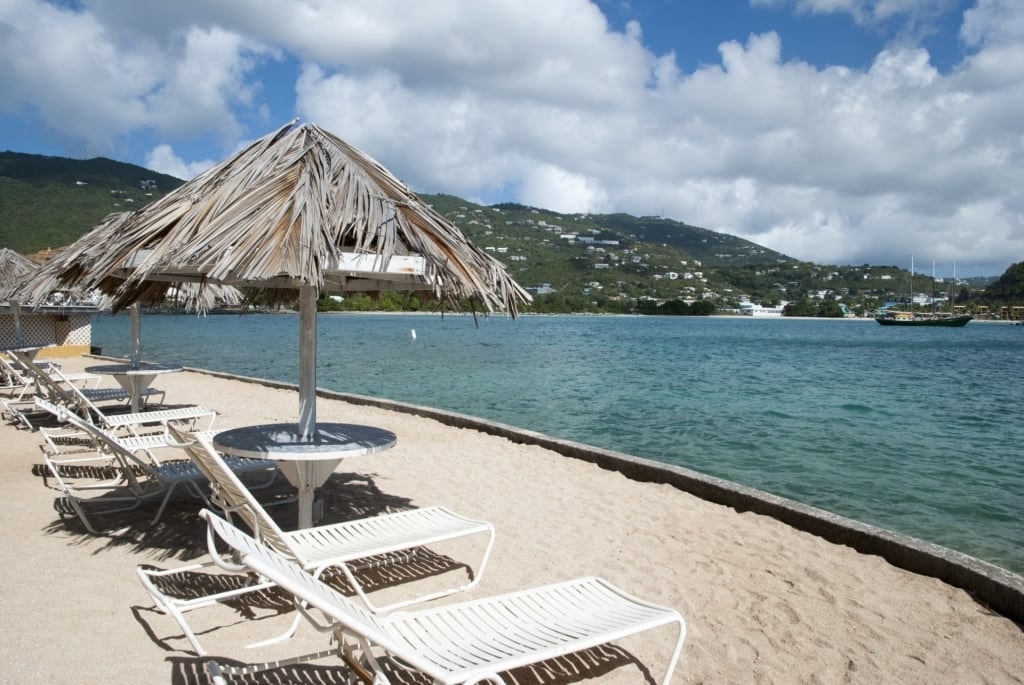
<point>162,158</point>
<point>993,22</point>
<point>91,84</point>
<point>544,102</point>
<point>867,11</point>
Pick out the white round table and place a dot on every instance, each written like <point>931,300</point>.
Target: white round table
<point>134,378</point>
<point>305,462</point>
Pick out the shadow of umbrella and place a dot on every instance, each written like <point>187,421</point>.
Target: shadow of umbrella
<point>298,211</point>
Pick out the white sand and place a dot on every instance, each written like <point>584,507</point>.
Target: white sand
<point>764,603</point>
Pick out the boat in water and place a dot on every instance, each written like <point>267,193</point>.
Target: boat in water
<point>912,317</point>
<point>891,317</point>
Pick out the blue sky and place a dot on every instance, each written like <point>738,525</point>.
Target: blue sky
<point>835,131</point>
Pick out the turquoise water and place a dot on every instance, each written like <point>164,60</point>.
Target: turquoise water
<point>916,430</point>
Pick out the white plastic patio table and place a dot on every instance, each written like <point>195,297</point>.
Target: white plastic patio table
<point>134,379</point>
<point>306,463</point>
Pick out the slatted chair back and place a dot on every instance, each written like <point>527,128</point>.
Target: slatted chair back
<point>55,388</point>
<point>230,494</point>
<point>459,644</point>
<point>359,620</point>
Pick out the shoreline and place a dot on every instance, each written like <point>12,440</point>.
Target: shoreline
<point>1001,589</point>
<point>722,315</point>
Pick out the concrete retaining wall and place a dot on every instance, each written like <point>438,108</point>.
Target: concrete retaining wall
<point>995,587</point>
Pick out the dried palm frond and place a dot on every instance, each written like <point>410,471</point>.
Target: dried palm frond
<point>297,207</point>
<point>75,263</point>
<point>15,268</point>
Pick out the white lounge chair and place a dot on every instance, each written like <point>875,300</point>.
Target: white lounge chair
<point>340,545</point>
<point>51,384</point>
<point>24,385</point>
<point>57,384</point>
<point>86,404</point>
<point>20,381</point>
<point>467,643</point>
<point>64,445</point>
<point>132,480</point>
<point>91,396</point>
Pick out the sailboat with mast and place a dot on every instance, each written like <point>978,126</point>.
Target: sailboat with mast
<point>914,317</point>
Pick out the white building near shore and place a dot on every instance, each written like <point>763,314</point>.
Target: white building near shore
<point>751,309</point>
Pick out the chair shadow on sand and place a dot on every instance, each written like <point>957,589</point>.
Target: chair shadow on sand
<point>566,670</point>
<point>180,535</point>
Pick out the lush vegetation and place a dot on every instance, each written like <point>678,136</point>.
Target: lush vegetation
<point>1007,288</point>
<point>826,309</point>
<point>48,202</point>
<point>585,263</point>
<point>676,308</point>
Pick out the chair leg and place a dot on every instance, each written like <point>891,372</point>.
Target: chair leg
<point>78,505</point>
<point>193,489</point>
<point>176,608</point>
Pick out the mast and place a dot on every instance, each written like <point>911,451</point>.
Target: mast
<point>911,286</point>
<point>933,288</point>
<point>952,289</point>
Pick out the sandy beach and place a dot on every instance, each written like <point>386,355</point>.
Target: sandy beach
<point>763,602</point>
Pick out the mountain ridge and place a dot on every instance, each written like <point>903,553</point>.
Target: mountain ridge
<point>578,262</point>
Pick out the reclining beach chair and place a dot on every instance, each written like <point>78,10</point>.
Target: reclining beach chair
<point>85,404</point>
<point>52,385</point>
<point>470,642</point>
<point>91,396</point>
<point>25,386</point>
<point>340,545</point>
<point>131,480</point>
<point>57,383</point>
<point>66,445</point>
<point>18,378</point>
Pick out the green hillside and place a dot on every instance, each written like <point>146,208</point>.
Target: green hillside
<point>605,258</point>
<point>48,202</point>
<point>572,262</point>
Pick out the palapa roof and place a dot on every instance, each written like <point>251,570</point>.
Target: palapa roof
<point>71,267</point>
<point>297,207</point>
<point>15,269</point>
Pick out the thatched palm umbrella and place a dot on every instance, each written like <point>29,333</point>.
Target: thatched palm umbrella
<point>298,210</point>
<point>80,258</point>
<point>15,268</point>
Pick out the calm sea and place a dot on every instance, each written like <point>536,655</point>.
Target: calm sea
<point>916,430</point>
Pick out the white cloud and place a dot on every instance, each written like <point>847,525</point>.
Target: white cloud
<point>162,158</point>
<point>993,22</point>
<point>92,84</point>
<point>81,85</point>
<point>563,191</point>
<point>202,85</point>
<point>867,11</point>
<point>543,98</point>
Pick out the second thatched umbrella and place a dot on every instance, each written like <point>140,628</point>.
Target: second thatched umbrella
<point>73,264</point>
<point>15,268</point>
<point>298,210</point>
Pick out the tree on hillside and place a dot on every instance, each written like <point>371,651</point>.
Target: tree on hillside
<point>1008,288</point>
<point>802,308</point>
<point>830,309</point>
